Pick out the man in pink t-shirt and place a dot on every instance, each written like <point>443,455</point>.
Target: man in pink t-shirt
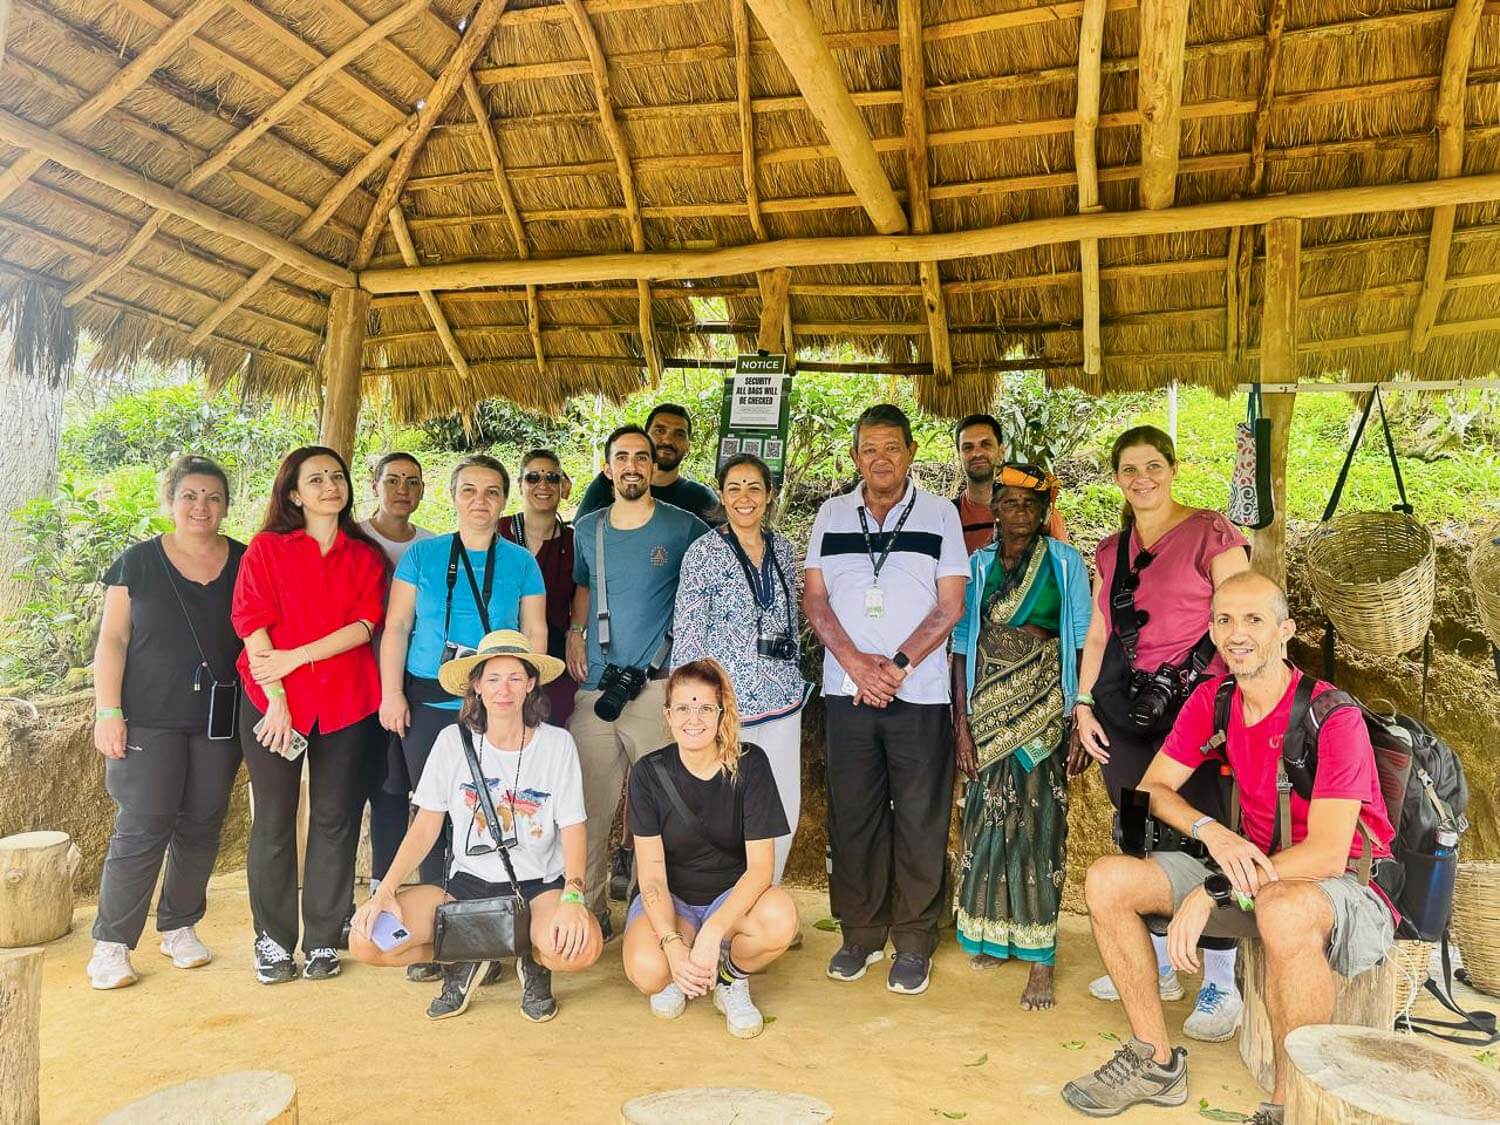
<point>1311,913</point>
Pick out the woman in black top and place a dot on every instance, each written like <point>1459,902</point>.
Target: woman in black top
<point>705,813</point>
<point>165,693</point>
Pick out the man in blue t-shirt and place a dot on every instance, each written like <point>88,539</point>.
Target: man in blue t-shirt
<point>644,541</point>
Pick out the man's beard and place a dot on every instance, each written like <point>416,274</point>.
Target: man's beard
<point>983,476</point>
<point>667,459</point>
<point>631,490</point>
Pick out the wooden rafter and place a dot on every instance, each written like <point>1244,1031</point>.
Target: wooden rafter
<point>1163,37</point>
<point>918,203</point>
<point>121,85</point>
<point>1448,119</point>
<point>614,136</point>
<point>434,310</point>
<point>1086,162</point>
<point>476,36</point>
<point>799,42</point>
<point>744,105</point>
<point>236,145</point>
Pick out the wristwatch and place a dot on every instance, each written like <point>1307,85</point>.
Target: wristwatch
<point>901,660</point>
<point>581,630</point>
<point>1219,889</point>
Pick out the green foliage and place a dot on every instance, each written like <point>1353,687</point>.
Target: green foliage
<point>1043,426</point>
<point>495,422</point>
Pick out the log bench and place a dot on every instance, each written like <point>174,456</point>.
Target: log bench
<point>1368,1000</point>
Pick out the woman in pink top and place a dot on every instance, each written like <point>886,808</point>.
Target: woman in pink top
<point>1173,558</point>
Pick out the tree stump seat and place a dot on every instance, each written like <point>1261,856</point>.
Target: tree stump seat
<point>36,887</point>
<point>244,1097</point>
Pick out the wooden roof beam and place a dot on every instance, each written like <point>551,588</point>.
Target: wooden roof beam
<point>124,82</point>
<point>614,136</point>
<point>236,145</point>
<point>1448,119</point>
<point>918,202</point>
<point>799,42</point>
<point>1086,162</point>
<point>1163,37</point>
<point>476,35</point>
<point>434,310</point>
<point>775,323</point>
<point>745,107</point>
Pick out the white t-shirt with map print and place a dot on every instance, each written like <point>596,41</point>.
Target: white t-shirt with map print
<point>547,798</point>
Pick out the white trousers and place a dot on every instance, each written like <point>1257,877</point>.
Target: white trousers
<point>781,739</point>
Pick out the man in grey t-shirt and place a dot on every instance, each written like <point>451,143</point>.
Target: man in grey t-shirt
<point>644,541</point>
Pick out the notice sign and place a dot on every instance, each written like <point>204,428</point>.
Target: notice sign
<point>756,410</point>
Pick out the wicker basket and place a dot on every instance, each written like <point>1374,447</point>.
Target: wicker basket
<point>1484,574</point>
<point>1476,922</point>
<point>1413,963</point>
<point>1374,575</point>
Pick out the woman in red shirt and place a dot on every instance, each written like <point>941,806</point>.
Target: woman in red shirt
<point>310,594</point>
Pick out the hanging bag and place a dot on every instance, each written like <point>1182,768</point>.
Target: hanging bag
<point>1250,501</point>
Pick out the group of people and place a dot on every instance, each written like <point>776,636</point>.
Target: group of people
<point>645,659</point>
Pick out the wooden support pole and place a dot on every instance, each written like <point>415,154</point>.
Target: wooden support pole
<point>1278,364</point>
<point>918,202</point>
<point>430,302</point>
<point>1159,98</point>
<point>20,1036</point>
<point>1448,119</point>
<point>1086,161</point>
<point>775,292</point>
<point>348,312</point>
<point>745,110</point>
<point>798,40</point>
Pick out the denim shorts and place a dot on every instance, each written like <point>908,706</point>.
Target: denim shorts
<point>697,915</point>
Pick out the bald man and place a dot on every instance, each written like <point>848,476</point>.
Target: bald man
<point>1312,914</point>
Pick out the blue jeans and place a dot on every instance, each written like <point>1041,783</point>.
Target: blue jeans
<point>697,915</point>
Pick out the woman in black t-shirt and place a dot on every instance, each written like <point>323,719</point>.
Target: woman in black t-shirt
<point>165,692</point>
<point>705,814</point>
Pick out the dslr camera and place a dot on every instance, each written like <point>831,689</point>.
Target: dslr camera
<point>618,685</point>
<point>1155,697</point>
<point>776,646</point>
<point>1138,833</point>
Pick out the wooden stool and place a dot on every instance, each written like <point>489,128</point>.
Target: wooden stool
<point>1368,1000</point>
<point>36,887</point>
<point>1361,1076</point>
<point>20,1027</point>
<point>245,1097</point>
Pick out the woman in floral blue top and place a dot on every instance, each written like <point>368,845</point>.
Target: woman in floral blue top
<point>737,603</point>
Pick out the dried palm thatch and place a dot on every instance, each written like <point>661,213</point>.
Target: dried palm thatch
<point>43,336</point>
<point>662,130</point>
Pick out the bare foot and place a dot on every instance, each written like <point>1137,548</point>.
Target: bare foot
<point>1038,994</point>
<point>981,961</point>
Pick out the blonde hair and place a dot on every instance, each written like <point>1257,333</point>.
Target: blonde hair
<point>727,737</point>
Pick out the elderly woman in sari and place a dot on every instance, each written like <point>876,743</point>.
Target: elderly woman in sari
<point>1015,673</point>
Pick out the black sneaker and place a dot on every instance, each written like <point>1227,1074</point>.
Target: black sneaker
<point>1268,1113</point>
<point>909,975</point>
<point>458,989</point>
<point>320,964</point>
<point>850,962</point>
<point>492,974</point>
<point>424,972</point>
<point>537,1003</point>
<point>619,874</point>
<point>273,964</point>
<point>606,927</point>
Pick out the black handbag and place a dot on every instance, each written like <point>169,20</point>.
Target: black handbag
<point>483,929</point>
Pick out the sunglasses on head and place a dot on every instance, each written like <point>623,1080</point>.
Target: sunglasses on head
<point>533,476</point>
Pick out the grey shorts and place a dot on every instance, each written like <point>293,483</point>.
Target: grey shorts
<point>1362,924</point>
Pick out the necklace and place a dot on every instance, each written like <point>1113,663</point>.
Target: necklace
<point>515,787</point>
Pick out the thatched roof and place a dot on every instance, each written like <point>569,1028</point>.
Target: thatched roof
<point>615,126</point>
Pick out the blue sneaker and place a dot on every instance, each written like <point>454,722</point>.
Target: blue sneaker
<point>1216,1016</point>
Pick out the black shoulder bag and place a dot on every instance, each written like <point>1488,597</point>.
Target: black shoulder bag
<point>483,929</point>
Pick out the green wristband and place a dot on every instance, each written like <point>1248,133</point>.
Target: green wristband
<point>108,713</point>
<point>572,896</point>
<point>275,691</point>
<point>1086,698</point>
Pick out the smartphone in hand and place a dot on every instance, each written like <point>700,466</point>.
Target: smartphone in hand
<point>387,933</point>
<point>298,742</point>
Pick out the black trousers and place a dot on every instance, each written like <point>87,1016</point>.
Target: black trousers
<point>336,792</point>
<point>172,790</point>
<point>890,798</point>
<point>426,724</point>
<point>386,789</point>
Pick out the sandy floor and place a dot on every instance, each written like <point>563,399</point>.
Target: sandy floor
<point>360,1048</point>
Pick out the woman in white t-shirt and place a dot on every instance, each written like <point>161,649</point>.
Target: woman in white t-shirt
<point>536,785</point>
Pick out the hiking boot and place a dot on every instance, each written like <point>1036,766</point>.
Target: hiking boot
<point>183,946</point>
<point>537,1003</point>
<point>1216,1016</point>
<point>669,1003</point>
<point>458,988</point>
<point>741,1016</point>
<point>619,874</point>
<point>1168,987</point>
<point>424,972</point>
<point>1129,1078</point>
<point>850,962</point>
<point>273,964</point>
<point>320,964</point>
<point>110,966</point>
<point>492,974</point>
<point>909,975</point>
<point>1267,1113</point>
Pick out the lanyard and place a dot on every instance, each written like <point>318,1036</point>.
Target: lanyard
<point>877,563</point>
<point>481,601</point>
<point>518,528</point>
<point>761,585</point>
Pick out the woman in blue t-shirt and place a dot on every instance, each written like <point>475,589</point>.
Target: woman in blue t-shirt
<point>447,593</point>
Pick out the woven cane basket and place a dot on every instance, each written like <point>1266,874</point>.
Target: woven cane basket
<point>1374,575</point>
<point>1476,922</point>
<point>1413,960</point>
<point>1484,574</point>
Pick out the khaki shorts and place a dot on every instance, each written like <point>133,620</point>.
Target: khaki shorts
<point>1362,924</point>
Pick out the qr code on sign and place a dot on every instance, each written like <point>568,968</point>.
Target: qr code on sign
<point>751,445</point>
<point>729,447</point>
<point>773,449</point>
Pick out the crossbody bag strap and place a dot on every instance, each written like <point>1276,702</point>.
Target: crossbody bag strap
<point>679,806</point>
<point>166,567</point>
<point>601,603</point>
<point>487,805</point>
<point>1122,611</point>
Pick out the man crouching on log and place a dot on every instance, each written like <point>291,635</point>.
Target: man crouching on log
<point>1312,914</point>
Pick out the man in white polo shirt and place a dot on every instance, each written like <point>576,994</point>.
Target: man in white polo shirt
<point>886,572</point>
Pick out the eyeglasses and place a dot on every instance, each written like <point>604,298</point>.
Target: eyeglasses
<point>683,711</point>
<point>534,477</point>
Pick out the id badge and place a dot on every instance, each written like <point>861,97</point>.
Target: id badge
<point>874,602</point>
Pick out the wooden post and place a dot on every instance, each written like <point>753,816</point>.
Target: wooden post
<point>1278,364</point>
<point>348,310</point>
<point>20,1027</point>
<point>1159,98</point>
<point>36,887</point>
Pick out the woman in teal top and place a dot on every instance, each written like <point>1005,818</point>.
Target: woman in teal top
<point>1015,671</point>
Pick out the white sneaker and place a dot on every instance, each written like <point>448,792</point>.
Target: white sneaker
<point>183,946</point>
<point>1168,987</point>
<point>110,966</point>
<point>1216,1016</point>
<point>741,1015</point>
<point>669,1003</point>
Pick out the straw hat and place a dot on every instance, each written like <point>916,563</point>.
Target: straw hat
<point>454,675</point>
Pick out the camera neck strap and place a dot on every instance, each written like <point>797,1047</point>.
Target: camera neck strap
<point>762,588</point>
<point>203,665</point>
<point>481,597</point>
<point>487,805</point>
<point>601,604</point>
<point>1124,618</point>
